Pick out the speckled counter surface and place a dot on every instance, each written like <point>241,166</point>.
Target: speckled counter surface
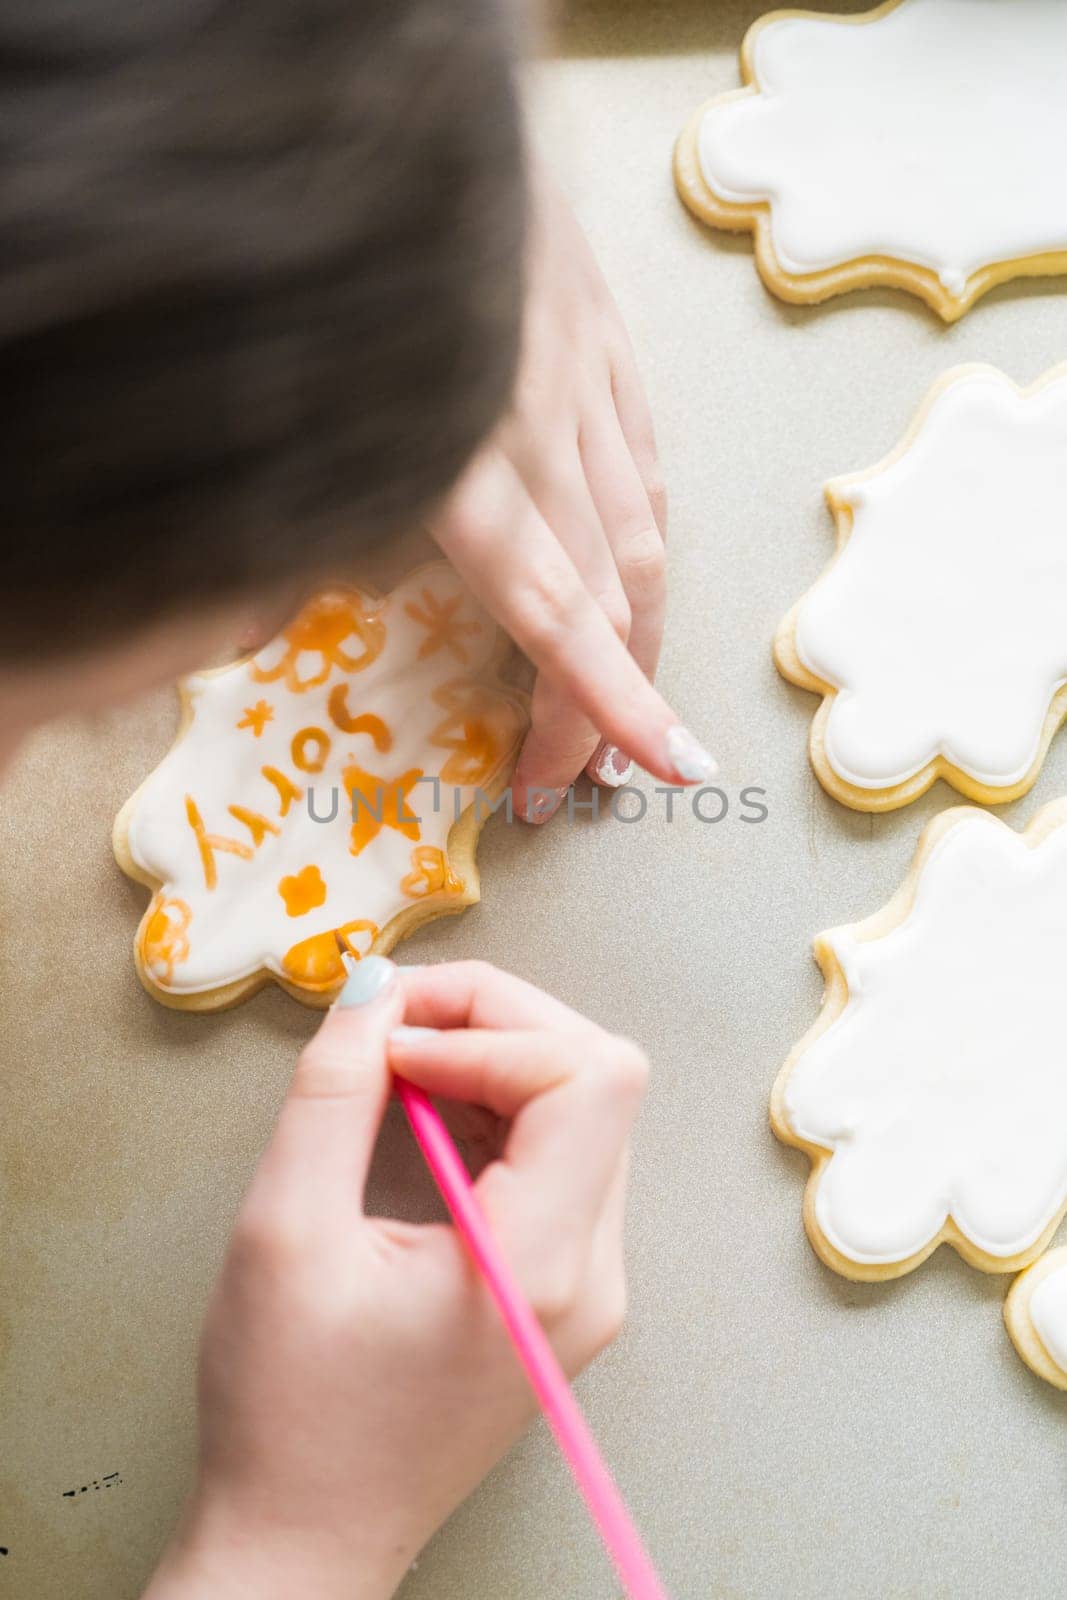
<point>777,1431</point>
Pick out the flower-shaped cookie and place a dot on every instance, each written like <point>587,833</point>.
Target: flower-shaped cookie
<point>938,634</point>
<point>324,796</point>
<point>918,145</point>
<point>931,1094</point>
<point>1036,1314</point>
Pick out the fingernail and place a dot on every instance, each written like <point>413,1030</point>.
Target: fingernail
<point>371,976</point>
<point>689,758</point>
<point>542,804</point>
<point>406,1035</point>
<point>612,766</point>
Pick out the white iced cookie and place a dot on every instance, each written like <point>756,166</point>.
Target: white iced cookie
<point>937,636</point>
<point>1036,1314</point>
<point>324,796</point>
<point>918,145</point>
<point>931,1094</point>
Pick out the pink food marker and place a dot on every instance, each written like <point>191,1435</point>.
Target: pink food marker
<point>547,1378</point>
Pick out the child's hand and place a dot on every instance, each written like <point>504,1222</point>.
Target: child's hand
<point>356,1382</point>
<point>558,526</point>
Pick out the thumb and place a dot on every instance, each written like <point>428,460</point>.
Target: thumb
<point>317,1161</point>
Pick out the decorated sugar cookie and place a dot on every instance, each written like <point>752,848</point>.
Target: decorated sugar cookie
<point>937,636</point>
<point>931,1094</point>
<point>324,796</point>
<point>1036,1314</point>
<point>918,145</point>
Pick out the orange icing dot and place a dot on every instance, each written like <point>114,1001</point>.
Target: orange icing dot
<point>256,717</point>
<point>209,843</point>
<point>303,891</point>
<point>367,722</point>
<point>380,804</point>
<point>432,873</point>
<point>299,746</point>
<point>320,631</point>
<point>165,937</point>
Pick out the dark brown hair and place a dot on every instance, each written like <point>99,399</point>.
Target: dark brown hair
<point>260,283</point>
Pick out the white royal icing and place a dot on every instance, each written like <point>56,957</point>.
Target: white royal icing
<point>1048,1313</point>
<point>943,622</point>
<point>385,690</point>
<point>941,1088</point>
<point>934,134</point>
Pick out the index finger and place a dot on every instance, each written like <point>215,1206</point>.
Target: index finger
<point>529,583</point>
<point>475,994</point>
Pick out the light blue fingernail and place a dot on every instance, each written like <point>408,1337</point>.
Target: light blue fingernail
<point>406,1035</point>
<point>367,980</point>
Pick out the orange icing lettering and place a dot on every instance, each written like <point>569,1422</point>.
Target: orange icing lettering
<point>287,789</point>
<point>432,873</point>
<point>165,940</point>
<point>301,740</point>
<point>365,723</point>
<point>257,824</point>
<point>209,843</point>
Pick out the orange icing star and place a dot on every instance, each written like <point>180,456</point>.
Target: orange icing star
<point>380,804</point>
<point>443,627</point>
<point>303,891</point>
<point>315,640</point>
<point>256,717</point>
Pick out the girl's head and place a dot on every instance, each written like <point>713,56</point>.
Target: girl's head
<point>259,302</point>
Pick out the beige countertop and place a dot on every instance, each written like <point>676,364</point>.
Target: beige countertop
<point>776,1430</point>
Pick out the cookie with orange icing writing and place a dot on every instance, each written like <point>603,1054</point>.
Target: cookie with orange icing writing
<point>324,796</point>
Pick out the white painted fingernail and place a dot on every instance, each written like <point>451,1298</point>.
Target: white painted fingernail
<point>613,766</point>
<point>541,804</point>
<point>688,757</point>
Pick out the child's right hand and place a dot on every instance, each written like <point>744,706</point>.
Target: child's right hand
<point>356,1382</point>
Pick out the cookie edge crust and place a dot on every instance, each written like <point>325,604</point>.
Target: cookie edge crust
<point>862,272</point>
<point>1019,1323</point>
<point>787,659</point>
<point>461,847</point>
<point>835,998</point>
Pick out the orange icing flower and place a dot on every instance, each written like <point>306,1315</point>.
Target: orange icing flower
<point>256,717</point>
<point>432,873</point>
<point>443,627</point>
<point>316,963</point>
<point>316,640</point>
<point>379,803</point>
<point>165,938</point>
<point>303,891</point>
